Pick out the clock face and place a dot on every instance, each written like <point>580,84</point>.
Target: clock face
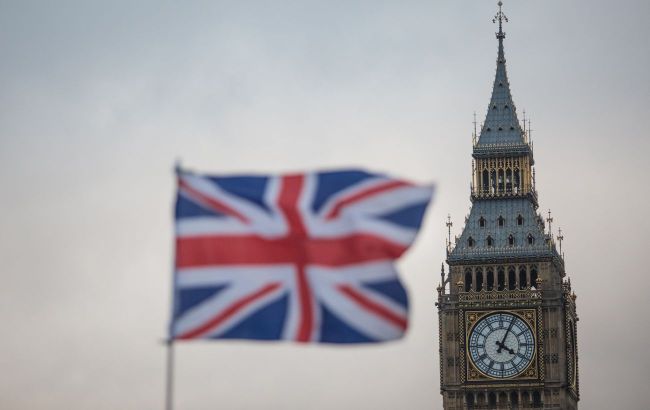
<point>501,345</point>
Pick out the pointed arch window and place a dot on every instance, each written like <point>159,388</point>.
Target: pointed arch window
<point>514,398</point>
<point>481,399</point>
<point>503,397</point>
<point>516,180</point>
<point>531,239</point>
<point>481,222</point>
<point>511,240</point>
<point>486,181</point>
<point>533,276</point>
<point>512,278</point>
<point>520,220</point>
<point>470,242</point>
<point>468,280</point>
<point>501,220</point>
<point>492,399</point>
<point>489,241</point>
<point>501,278</point>
<point>479,280</point>
<point>501,181</point>
<point>522,278</point>
<point>493,182</point>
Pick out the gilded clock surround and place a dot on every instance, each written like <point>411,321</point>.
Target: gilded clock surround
<point>529,316</point>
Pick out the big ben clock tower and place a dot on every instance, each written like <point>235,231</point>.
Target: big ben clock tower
<point>507,313</point>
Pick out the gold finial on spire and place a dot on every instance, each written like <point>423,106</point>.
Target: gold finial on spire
<point>500,17</point>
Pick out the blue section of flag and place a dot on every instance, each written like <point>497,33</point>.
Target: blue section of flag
<point>411,216</point>
<point>187,209</point>
<point>265,324</point>
<point>251,188</point>
<point>337,331</point>
<point>190,298</point>
<point>329,183</point>
<point>392,289</point>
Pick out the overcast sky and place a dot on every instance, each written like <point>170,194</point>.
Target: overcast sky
<point>98,99</point>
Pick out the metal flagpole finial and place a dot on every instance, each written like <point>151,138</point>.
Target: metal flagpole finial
<point>500,17</point>
<point>178,166</point>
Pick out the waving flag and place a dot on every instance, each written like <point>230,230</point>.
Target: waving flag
<point>303,257</point>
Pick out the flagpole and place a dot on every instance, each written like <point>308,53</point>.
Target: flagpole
<point>169,377</point>
<point>169,383</point>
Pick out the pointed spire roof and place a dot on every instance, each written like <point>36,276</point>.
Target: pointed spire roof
<point>501,129</point>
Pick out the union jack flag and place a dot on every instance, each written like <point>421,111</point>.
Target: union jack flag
<point>303,257</point>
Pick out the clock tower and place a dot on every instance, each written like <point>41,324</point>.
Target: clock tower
<point>507,314</point>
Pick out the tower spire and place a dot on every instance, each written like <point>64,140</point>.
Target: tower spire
<point>501,127</point>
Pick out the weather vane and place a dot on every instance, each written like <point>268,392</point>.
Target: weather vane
<point>500,17</point>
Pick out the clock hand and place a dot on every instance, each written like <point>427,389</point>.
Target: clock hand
<point>501,345</point>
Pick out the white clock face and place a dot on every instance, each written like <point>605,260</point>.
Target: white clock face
<point>501,345</point>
